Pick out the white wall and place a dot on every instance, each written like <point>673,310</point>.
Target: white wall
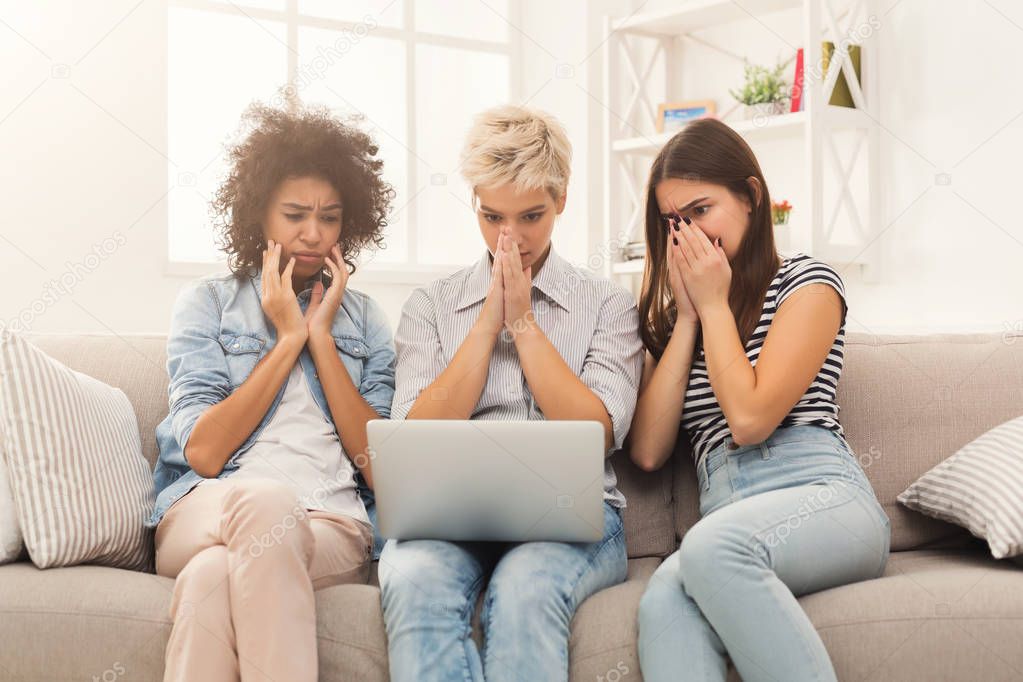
<point>949,104</point>
<point>83,133</point>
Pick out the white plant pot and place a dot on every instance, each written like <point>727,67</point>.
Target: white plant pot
<point>764,110</point>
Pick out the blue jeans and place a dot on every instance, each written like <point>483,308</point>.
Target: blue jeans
<point>429,593</point>
<point>786,517</point>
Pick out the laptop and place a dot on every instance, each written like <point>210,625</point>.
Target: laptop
<point>506,481</point>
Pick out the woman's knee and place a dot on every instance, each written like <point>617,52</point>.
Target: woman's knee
<point>661,593</point>
<point>707,550</point>
<point>202,576</point>
<point>424,574</point>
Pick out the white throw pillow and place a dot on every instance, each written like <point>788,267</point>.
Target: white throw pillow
<point>11,542</point>
<point>81,486</point>
<point>980,488</point>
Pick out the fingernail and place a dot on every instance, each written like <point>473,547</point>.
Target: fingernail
<point>676,227</point>
<point>688,221</point>
<point>674,241</point>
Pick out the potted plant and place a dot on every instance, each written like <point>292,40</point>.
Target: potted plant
<point>764,92</point>
<point>780,218</point>
<point>780,212</point>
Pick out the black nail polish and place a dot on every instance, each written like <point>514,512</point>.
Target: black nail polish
<point>688,221</point>
<point>675,225</point>
<point>674,241</point>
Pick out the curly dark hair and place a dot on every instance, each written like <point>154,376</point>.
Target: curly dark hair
<point>308,142</point>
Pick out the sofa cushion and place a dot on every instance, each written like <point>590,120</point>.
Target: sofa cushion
<point>602,645</point>
<point>112,619</point>
<point>979,488</point>
<point>933,615</point>
<point>11,544</point>
<point>84,622</point>
<point>134,363</point>
<point>71,444</point>
<point>648,516</point>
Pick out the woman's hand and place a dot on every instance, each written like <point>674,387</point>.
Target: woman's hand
<point>491,318</point>
<point>704,268</point>
<point>323,306</point>
<point>518,287</point>
<point>686,311</point>
<point>279,301</point>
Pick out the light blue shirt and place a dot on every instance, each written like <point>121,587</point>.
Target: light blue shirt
<point>218,333</point>
<point>591,321</point>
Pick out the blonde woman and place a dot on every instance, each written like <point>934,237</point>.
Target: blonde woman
<point>521,334</point>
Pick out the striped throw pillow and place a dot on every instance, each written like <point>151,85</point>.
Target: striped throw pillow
<point>980,488</point>
<point>10,533</point>
<point>81,486</point>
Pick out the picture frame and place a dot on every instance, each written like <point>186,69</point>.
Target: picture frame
<point>674,115</point>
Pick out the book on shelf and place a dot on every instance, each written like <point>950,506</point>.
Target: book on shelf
<point>841,96</point>
<point>797,84</point>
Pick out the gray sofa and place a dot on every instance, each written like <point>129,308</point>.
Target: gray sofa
<point>944,610</point>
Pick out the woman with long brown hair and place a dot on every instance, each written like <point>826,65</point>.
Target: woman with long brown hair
<point>744,351</point>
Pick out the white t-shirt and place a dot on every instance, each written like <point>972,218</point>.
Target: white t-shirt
<point>298,447</point>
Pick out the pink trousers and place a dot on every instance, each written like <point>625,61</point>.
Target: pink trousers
<point>247,558</point>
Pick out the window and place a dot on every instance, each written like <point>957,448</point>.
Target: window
<point>413,71</point>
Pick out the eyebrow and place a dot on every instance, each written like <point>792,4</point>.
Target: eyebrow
<point>686,207</point>
<point>309,208</point>
<point>531,209</point>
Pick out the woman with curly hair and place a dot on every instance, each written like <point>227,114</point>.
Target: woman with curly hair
<point>274,371</point>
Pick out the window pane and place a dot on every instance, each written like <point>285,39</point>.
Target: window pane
<point>364,77</point>
<point>464,18</point>
<point>369,12</point>
<point>446,226</point>
<point>208,88</point>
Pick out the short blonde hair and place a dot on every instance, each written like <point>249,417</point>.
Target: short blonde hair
<point>519,145</point>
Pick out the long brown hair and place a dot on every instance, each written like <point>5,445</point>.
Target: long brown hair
<point>708,150</point>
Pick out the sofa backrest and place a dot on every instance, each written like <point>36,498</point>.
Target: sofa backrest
<point>907,403</point>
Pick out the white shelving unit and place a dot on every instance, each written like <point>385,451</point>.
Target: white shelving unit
<point>631,143</point>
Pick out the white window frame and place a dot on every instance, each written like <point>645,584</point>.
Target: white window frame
<point>411,271</point>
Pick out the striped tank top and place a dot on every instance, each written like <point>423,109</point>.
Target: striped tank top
<point>702,417</point>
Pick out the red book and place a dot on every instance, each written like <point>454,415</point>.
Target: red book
<point>797,83</point>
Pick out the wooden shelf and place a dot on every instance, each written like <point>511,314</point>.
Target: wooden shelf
<point>698,14</point>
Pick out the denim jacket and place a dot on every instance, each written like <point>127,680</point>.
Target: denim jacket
<point>218,333</point>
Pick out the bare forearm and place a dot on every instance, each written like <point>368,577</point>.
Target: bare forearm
<point>731,375</point>
<point>222,428</point>
<point>454,394</point>
<point>655,424</point>
<point>348,408</point>
<point>558,391</point>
